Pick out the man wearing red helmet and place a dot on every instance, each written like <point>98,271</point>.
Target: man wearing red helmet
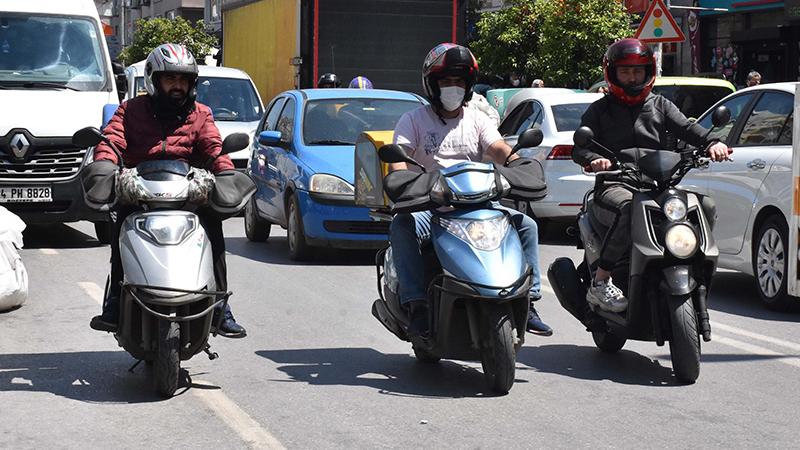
<point>440,135</point>
<point>629,116</point>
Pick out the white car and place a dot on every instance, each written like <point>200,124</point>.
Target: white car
<point>229,92</point>
<point>753,193</point>
<point>558,114</point>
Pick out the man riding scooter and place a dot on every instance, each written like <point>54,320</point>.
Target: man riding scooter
<point>630,116</point>
<point>167,123</point>
<point>437,136</point>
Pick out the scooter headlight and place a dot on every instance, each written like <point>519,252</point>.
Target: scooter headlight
<point>674,209</point>
<point>482,234</point>
<point>166,229</point>
<point>681,241</point>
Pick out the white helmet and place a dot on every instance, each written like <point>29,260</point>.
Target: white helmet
<point>174,58</point>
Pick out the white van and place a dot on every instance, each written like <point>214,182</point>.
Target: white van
<point>229,92</point>
<point>56,77</point>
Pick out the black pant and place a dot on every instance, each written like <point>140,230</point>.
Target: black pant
<point>213,228</point>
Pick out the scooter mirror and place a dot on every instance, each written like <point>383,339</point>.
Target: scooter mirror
<point>721,116</point>
<point>532,137</point>
<point>393,153</point>
<point>583,136</point>
<point>235,142</point>
<point>87,137</point>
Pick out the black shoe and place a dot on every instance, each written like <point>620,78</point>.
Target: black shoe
<point>418,318</point>
<point>103,323</point>
<point>535,324</point>
<point>229,328</point>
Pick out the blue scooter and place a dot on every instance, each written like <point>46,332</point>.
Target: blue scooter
<point>477,276</point>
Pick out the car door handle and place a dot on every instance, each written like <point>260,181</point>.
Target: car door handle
<point>756,164</point>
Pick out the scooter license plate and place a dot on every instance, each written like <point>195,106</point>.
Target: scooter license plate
<point>26,194</point>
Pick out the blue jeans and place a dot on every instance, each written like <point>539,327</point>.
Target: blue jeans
<point>409,231</point>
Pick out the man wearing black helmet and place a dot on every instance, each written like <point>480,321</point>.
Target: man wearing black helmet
<point>439,135</point>
<point>328,80</point>
<point>629,116</point>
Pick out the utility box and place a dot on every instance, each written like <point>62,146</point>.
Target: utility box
<point>370,170</point>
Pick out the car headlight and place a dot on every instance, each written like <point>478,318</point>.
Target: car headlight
<point>681,241</point>
<point>481,234</point>
<point>674,209</point>
<point>167,229</point>
<point>328,184</point>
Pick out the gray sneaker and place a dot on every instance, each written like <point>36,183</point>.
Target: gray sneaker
<point>607,296</point>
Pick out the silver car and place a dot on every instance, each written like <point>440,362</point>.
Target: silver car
<point>754,192</point>
<point>558,115</point>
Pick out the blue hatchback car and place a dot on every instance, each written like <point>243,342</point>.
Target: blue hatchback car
<point>302,162</point>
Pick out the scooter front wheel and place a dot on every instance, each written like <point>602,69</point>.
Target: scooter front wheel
<point>684,347</point>
<point>608,342</point>
<point>498,357</point>
<point>425,356</point>
<point>168,362</point>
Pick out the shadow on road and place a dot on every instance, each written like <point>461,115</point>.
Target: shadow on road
<point>589,363</point>
<point>84,376</point>
<point>735,293</point>
<point>276,251</point>
<point>57,236</point>
<point>391,374</point>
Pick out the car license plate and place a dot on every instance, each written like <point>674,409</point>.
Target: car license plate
<point>26,194</point>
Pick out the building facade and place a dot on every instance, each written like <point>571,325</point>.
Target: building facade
<point>124,14</point>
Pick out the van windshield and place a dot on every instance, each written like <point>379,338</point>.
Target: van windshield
<point>48,52</point>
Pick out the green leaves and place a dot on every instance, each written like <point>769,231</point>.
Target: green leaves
<point>150,33</point>
<point>560,41</point>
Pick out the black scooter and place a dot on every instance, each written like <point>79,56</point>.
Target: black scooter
<point>673,257</point>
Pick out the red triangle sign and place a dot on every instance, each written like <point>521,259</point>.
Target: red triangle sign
<point>658,25</point>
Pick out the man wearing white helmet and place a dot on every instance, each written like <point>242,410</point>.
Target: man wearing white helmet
<point>167,123</point>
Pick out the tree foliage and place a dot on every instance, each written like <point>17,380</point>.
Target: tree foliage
<point>150,33</point>
<point>560,41</point>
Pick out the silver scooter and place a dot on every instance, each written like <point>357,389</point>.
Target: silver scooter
<point>168,290</point>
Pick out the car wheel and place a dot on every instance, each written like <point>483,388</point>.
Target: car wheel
<point>298,248</point>
<point>770,263</point>
<point>255,228</point>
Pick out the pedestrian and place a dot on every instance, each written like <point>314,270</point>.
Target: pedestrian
<point>753,78</point>
<point>537,83</point>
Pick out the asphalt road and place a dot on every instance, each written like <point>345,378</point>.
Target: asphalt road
<point>318,371</point>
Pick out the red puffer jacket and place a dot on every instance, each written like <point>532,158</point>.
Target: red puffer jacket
<point>139,136</point>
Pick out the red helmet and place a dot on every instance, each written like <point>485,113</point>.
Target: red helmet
<point>629,52</point>
<point>447,60</point>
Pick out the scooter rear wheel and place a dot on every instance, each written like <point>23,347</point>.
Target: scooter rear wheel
<point>684,347</point>
<point>168,362</point>
<point>498,357</point>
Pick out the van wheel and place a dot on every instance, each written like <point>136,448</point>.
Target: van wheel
<point>298,248</point>
<point>255,228</point>
<point>770,263</point>
<point>168,362</point>
<point>103,231</point>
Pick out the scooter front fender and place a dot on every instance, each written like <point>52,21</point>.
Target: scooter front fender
<point>677,280</point>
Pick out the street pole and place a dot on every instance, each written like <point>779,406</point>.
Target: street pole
<point>122,22</point>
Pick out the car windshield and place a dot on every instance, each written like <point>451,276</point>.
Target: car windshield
<point>48,52</point>
<point>693,101</point>
<point>230,99</point>
<point>568,117</point>
<point>340,121</point>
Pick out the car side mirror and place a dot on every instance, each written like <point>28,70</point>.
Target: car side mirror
<point>234,142</point>
<point>270,138</point>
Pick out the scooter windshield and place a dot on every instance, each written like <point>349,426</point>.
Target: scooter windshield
<point>163,170</point>
<point>471,182</point>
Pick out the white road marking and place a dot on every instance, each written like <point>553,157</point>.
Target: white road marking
<point>229,412</point>
<point>756,350</point>
<point>94,291</point>
<point>48,251</point>
<point>760,337</point>
<point>239,421</point>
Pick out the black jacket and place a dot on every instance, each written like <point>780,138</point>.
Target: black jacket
<point>618,126</point>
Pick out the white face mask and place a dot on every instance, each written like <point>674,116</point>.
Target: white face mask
<point>452,97</point>
<point>515,83</point>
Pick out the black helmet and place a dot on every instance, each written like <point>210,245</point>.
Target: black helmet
<point>328,80</point>
<point>448,60</point>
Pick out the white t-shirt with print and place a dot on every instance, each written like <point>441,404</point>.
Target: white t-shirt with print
<point>437,145</point>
